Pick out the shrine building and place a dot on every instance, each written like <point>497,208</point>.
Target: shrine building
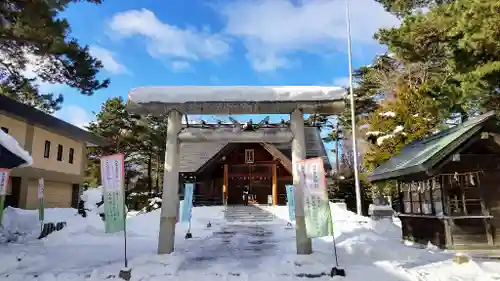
<point>221,170</point>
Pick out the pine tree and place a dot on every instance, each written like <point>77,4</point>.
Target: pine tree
<point>34,38</point>
<point>456,42</point>
<point>406,7</point>
<point>115,123</point>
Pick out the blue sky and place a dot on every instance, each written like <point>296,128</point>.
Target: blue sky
<point>223,42</point>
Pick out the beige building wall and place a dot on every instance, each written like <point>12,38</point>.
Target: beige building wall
<point>51,163</point>
<point>56,195</point>
<point>59,175</point>
<point>17,128</point>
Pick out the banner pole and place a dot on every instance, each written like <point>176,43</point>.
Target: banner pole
<point>41,206</point>
<point>4,180</point>
<point>189,234</point>
<point>2,204</point>
<point>125,230</point>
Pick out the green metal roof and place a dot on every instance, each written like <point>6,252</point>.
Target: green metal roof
<point>423,155</point>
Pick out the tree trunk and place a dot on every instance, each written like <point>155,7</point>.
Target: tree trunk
<point>157,173</point>
<point>150,174</point>
<point>337,158</point>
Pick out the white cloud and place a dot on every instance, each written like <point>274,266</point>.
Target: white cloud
<point>168,41</point>
<point>75,115</point>
<point>108,60</point>
<point>341,81</point>
<point>274,30</point>
<point>181,66</point>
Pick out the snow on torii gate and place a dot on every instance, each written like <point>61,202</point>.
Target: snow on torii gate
<point>217,100</point>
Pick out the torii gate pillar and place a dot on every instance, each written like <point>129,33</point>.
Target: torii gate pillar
<point>170,197</point>
<point>303,243</point>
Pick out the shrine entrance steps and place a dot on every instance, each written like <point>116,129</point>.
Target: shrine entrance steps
<point>248,214</point>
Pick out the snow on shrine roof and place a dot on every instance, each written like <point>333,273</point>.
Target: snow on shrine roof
<point>236,99</point>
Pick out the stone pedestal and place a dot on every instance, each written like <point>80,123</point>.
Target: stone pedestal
<point>380,211</point>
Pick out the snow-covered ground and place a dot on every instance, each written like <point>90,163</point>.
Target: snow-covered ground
<point>368,250</point>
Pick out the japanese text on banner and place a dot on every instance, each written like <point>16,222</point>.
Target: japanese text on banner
<point>40,188</point>
<point>112,181</point>
<point>41,207</point>
<point>4,181</point>
<point>187,203</point>
<point>291,202</point>
<point>316,203</point>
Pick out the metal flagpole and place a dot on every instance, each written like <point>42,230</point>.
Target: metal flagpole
<point>353,112</point>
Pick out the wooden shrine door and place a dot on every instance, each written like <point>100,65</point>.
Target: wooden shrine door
<point>258,177</point>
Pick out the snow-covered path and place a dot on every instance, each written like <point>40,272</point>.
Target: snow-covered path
<point>368,250</point>
<point>244,247</point>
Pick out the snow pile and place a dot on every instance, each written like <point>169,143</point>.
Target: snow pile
<point>148,224</point>
<point>183,94</point>
<point>145,225</point>
<point>19,224</point>
<point>368,250</point>
<point>398,129</point>
<point>380,140</point>
<point>153,204</point>
<point>92,197</point>
<point>373,133</point>
<point>387,114</point>
<point>13,146</point>
<point>338,211</point>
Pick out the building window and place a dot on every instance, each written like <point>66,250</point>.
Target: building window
<point>5,130</point>
<point>46,151</point>
<point>59,152</point>
<point>71,155</point>
<point>249,156</point>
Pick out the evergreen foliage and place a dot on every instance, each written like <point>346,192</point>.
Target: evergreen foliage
<point>35,46</point>
<point>442,61</point>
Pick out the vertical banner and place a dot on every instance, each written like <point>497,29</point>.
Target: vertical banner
<point>4,181</point>
<point>41,208</point>
<point>187,203</point>
<point>291,202</point>
<point>112,177</point>
<point>316,204</point>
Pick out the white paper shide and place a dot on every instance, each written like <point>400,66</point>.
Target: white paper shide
<point>41,186</point>
<point>4,181</point>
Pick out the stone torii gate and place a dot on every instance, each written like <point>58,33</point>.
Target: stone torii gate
<point>231,100</point>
